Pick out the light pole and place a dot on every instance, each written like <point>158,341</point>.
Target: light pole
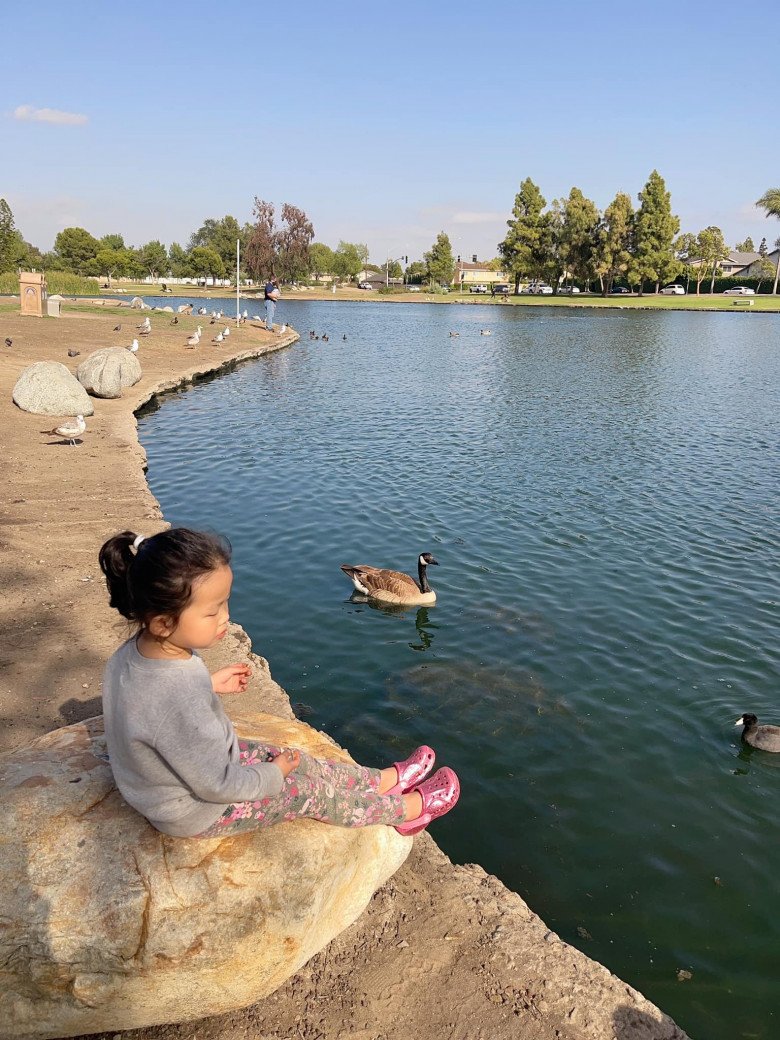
<point>397,260</point>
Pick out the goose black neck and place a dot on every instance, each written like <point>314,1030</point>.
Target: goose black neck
<point>422,569</point>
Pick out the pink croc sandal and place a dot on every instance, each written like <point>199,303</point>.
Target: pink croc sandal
<point>439,794</point>
<point>413,770</point>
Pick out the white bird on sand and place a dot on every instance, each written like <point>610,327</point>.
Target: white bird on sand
<point>145,324</point>
<point>133,348</point>
<point>226,331</point>
<point>218,338</point>
<point>194,339</point>
<point>282,329</point>
<point>245,315</point>
<point>202,310</point>
<point>213,315</point>
<point>69,431</point>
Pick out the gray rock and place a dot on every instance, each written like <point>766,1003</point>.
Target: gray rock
<point>137,303</point>
<point>168,309</point>
<point>106,371</point>
<point>49,388</point>
<point>109,925</point>
<point>184,308</point>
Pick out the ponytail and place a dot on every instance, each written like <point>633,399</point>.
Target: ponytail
<point>153,577</point>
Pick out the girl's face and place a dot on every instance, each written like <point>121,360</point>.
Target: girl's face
<point>204,620</point>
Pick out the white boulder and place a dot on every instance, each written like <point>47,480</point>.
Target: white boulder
<point>49,388</point>
<point>108,925</point>
<point>106,371</point>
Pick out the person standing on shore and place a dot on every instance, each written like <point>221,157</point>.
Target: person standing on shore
<point>272,294</point>
<point>174,753</point>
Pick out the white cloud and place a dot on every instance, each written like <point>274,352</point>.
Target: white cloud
<point>28,113</point>
<point>477,218</point>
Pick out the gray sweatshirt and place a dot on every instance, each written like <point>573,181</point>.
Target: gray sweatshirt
<point>173,750</point>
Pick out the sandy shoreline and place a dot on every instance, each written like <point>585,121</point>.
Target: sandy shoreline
<point>443,951</point>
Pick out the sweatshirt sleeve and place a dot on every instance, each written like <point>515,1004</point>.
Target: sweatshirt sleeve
<point>193,745</point>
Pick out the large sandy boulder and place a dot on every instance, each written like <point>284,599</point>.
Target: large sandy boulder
<point>106,371</point>
<point>106,924</point>
<point>49,388</point>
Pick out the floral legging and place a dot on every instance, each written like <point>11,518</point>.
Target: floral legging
<point>328,791</point>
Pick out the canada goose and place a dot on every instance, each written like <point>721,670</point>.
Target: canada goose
<point>766,738</point>
<point>69,431</point>
<point>393,586</point>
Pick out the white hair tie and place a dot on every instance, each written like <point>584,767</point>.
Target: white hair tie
<point>137,541</point>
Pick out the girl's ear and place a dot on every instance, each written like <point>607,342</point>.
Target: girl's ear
<point>160,626</point>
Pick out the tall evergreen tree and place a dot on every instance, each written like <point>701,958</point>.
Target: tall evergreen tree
<point>520,250</point>
<point>578,235</point>
<point>12,246</point>
<point>615,241</point>
<point>439,261</point>
<point>746,246</point>
<point>656,227</point>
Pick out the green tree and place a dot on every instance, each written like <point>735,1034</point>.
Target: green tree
<point>179,261</point>
<point>111,263</point>
<point>655,230</point>
<point>321,257</point>
<point>393,269</point>
<point>615,241</point>
<point>762,269</point>
<point>112,242</point>
<point>13,251</point>
<point>154,257</point>
<point>709,249</point>
<point>746,246</point>
<point>207,262</point>
<point>770,202</point>
<point>520,249</point>
<point>221,236</point>
<point>578,235</point>
<point>415,273</point>
<point>350,258</point>
<point>762,248</point>
<point>439,261</point>
<point>76,247</point>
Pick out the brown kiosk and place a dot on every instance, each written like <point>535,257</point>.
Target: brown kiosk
<point>32,292</point>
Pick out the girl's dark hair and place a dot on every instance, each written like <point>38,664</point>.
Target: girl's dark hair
<point>157,577</point>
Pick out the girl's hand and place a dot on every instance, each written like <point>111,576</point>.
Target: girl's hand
<point>232,679</point>
<point>288,760</point>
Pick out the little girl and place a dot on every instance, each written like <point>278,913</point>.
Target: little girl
<point>173,751</point>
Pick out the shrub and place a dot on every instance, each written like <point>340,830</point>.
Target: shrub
<point>62,282</point>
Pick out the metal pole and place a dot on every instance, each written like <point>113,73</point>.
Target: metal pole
<point>238,268</point>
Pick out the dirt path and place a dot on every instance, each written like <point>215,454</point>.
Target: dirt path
<point>443,951</point>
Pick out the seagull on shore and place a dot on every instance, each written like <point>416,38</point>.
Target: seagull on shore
<point>202,310</point>
<point>283,329</point>
<point>145,324</point>
<point>218,338</point>
<point>117,328</point>
<point>194,339</point>
<point>133,348</point>
<point>226,331</point>
<point>70,431</point>
<point>245,315</point>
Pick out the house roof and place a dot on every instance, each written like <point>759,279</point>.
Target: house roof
<point>464,265</point>
<point>742,259</point>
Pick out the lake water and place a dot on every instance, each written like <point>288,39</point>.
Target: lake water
<point>601,491</point>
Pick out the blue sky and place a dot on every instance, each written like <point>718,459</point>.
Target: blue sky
<point>385,122</point>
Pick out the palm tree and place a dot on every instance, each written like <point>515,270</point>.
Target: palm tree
<point>770,201</point>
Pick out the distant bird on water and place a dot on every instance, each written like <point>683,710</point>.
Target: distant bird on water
<point>71,430</point>
<point>393,586</point>
<point>344,337</point>
<point>765,738</point>
<point>485,332</point>
<point>454,334</point>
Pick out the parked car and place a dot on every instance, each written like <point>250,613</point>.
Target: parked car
<point>500,289</point>
<point>543,290</point>
<point>739,290</point>
<point>413,288</point>
<point>620,290</point>
<point>673,290</point>
<point>365,285</point>
<point>569,290</point>
<point>478,288</point>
